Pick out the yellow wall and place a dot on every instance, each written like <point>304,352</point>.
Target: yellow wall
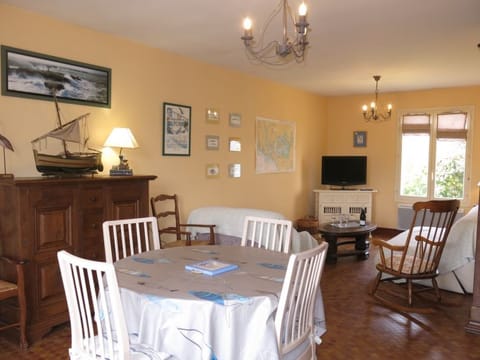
<point>344,117</point>
<point>142,79</point>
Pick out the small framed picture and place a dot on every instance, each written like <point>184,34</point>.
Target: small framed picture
<point>212,142</point>
<point>235,170</point>
<point>212,171</point>
<point>212,115</point>
<point>235,120</point>
<point>359,138</point>
<point>234,144</point>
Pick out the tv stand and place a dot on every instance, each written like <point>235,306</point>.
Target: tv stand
<point>331,203</point>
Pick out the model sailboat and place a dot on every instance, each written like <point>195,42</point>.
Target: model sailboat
<point>66,162</point>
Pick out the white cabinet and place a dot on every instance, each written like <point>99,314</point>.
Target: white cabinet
<point>331,203</point>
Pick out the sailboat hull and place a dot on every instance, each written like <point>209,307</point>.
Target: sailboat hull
<point>75,163</point>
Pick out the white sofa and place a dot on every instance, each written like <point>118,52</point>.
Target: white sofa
<point>229,225</point>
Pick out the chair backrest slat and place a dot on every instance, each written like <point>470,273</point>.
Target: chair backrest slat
<point>295,313</point>
<point>128,237</point>
<point>429,235</point>
<point>271,234</point>
<point>98,328</point>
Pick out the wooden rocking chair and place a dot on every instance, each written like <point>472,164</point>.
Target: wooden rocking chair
<point>418,258</point>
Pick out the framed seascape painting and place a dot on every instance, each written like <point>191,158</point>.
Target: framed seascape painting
<point>38,76</point>
<point>176,129</point>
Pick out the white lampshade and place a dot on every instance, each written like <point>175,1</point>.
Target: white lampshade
<point>122,138</point>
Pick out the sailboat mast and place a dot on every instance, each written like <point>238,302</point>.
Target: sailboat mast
<point>54,93</point>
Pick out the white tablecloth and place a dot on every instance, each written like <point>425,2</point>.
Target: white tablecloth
<point>195,316</point>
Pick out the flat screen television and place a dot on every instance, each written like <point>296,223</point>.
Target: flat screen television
<point>344,170</point>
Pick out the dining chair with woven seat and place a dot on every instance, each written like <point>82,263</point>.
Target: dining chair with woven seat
<point>97,321</point>
<point>127,237</point>
<point>294,319</point>
<point>13,292</point>
<point>417,259</point>
<point>165,208</point>
<point>271,234</point>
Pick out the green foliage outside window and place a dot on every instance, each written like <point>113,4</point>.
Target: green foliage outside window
<point>449,178</point>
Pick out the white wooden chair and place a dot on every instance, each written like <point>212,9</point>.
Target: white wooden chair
<point>128,237</point>
<point>294,320</point>
<point>98,328</point>
<point>271,234</point>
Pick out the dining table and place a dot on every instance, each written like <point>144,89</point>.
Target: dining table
<point>191,315</point>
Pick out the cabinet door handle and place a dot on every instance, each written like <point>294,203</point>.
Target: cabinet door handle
<point>93,199</point>
<point>94,226</point>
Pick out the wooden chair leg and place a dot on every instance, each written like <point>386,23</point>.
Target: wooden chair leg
<point>375,284</point>
<point>23,322</point>
<point>437,290</point>
<point>410,292</point>
<point>22,304</point>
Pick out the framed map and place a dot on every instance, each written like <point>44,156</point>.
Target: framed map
<point>275,146</point>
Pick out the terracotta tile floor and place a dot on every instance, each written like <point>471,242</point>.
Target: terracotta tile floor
<point>360,328</point>
<point>357,327</point>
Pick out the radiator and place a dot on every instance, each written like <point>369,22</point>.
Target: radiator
<point>405,216</point>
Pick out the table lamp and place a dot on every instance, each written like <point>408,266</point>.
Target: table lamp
<point>121,138</point>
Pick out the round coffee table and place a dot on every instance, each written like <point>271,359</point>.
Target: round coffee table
<point>331,233</point>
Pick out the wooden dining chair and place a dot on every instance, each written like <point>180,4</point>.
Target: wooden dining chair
<point>12,295</point>
<point>417,258</point>
<point>165,208</point>
<point>294,319</point>
<point>128,237</point>
<point>97,322</point>
<point>271,234</point>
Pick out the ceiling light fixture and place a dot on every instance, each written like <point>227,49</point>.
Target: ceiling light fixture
<point>293,44</point>
<point>373,113</point>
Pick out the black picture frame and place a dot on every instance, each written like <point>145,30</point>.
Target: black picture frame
<point>177,121</point>
<point>32,75</point>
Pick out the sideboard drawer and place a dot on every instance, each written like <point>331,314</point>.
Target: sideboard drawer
<point>92,197</point>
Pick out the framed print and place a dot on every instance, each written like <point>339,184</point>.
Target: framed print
<point>176,129</point>
<point>359,138</point>
<point>212,170</point>
<point>234,144</point>
<point>38,76</point>
<point>212,142</point>
<point>212,115</point>
<point>235,170</point>
<point>235,120</point>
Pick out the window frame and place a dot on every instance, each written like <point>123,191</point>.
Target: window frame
<point>434,112</point>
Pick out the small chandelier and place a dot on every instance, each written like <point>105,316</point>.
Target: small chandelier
<point>279,52</point>
<point>373,113</point>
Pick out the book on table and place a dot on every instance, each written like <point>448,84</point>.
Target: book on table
<point>211,267</point>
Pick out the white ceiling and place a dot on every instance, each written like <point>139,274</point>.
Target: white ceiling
<point>413,44</point>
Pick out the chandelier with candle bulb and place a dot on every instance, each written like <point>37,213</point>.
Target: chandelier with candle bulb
<point>373,114</point>
<point>294,40</point>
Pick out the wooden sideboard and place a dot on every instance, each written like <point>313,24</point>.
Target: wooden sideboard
<point>40,216</point>
<point>473,324</point>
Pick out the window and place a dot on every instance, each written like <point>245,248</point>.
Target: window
<point>434,154</point>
